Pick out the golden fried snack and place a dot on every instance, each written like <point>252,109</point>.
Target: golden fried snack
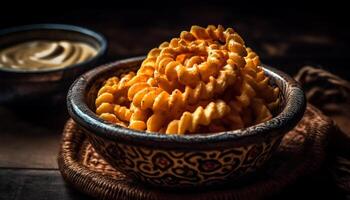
<point>138,118</point>
<point>145,96</point>
<point>210,55</point>
<point>255,76</point>
<point>206,80</point>
<point>201,116</point>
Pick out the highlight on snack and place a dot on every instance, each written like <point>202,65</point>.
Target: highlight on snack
<point>206,80</point>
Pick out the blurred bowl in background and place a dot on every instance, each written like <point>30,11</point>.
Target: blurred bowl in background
<point>17,85</point>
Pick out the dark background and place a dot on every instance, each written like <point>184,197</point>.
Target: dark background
<point>286,35</point>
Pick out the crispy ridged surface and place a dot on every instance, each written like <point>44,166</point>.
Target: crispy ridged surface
<point>204,80</point>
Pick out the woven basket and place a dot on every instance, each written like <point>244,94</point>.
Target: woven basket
<point>300,153</point>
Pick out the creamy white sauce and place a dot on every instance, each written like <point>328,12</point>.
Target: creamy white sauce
<point>42,54</point>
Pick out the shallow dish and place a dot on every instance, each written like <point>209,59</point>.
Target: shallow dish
<point>17,85</point>
<point>182,161</point>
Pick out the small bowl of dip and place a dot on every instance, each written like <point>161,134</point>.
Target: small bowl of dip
<point>42,60</point>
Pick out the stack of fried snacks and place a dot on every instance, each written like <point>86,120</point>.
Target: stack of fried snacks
<point>206,80</point>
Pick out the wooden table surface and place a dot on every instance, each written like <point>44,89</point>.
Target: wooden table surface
<point>30,134</point>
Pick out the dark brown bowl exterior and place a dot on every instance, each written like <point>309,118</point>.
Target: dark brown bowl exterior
<point>182,161</point>
<point>22,86</point>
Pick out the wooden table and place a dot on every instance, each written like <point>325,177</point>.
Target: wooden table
<point>30,135</point>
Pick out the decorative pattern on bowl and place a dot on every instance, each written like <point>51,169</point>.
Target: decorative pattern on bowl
<point>184,168</point>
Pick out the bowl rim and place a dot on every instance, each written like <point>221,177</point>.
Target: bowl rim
<point>90,122</point>
<point>62,27</point>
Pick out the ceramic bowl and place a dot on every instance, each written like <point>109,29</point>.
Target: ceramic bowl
<point>20,85</point>
<point>175,161</point>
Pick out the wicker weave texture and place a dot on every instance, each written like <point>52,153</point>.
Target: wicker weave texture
<point>301,152</point>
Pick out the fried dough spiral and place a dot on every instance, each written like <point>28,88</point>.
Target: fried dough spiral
<point>206,80</point>
<point>201,116</point>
